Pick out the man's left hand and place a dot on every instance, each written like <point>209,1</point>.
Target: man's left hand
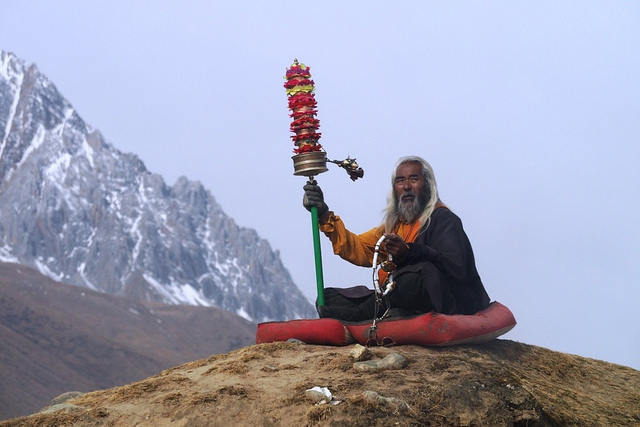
<point>396,247</point>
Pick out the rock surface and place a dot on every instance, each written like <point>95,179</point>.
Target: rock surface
<point>499,383</point>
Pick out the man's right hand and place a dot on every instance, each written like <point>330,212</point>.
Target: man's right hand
<point>313,197</point>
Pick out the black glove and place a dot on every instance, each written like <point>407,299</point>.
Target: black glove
<point>313,197</point>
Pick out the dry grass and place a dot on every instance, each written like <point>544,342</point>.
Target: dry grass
<point>500,383</point>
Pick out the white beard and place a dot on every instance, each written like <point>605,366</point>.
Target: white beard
<point>409,212</point>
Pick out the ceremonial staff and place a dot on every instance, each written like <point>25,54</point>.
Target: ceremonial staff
<point>309,158</point>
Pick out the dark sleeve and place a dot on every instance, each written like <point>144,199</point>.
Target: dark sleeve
<point>419,252</point>
<point>443,243</point>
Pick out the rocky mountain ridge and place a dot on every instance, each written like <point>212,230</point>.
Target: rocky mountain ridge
<point>82,212</point>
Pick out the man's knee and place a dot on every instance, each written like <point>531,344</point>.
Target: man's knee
<point>411,293</point>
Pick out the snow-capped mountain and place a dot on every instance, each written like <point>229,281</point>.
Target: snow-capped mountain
<point>82,212</point>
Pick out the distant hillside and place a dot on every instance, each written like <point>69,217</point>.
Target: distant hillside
<point>56,337</point>
<point>501,383</point>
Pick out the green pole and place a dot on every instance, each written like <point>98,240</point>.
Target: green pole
<point>317,254</point>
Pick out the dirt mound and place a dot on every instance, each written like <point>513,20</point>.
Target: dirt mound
<point>498,383</point>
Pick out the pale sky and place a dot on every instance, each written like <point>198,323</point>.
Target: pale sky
<point>527,111</point>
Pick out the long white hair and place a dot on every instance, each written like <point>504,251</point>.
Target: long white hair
<point>391,216</point>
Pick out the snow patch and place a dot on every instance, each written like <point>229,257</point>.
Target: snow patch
<point>178,293</point>
<point>240,312</point>
<point>44,269</point>
<point>88,150</point>
<point>86,280</point>
<point>12,112</point>
<point>7,256</point>
<point>57,169</point>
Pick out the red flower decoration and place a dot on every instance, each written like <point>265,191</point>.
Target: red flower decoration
<point>302,104</point>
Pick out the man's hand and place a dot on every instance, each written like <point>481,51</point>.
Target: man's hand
<point>396,247</point>
<point>313,197</point>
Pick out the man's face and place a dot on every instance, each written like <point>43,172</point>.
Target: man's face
<point>410,188</point>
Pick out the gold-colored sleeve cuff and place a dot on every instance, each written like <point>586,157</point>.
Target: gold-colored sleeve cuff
<point>329,225</point>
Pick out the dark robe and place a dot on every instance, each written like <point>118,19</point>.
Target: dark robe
<point>443,256</point>
<point>438,274</point>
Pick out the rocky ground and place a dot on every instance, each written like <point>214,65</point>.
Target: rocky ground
<point>501,383</point>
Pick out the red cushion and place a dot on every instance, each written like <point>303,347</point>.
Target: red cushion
<point>435,329</point>
<point>430,329</point>
<point>311,331</point>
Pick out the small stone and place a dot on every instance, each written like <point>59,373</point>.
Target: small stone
<point>391,361</point>
<point>398,405</point>
<point>360,353</point>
